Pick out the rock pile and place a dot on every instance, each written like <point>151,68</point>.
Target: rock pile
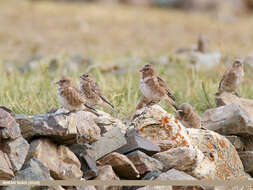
<point>155,145</point>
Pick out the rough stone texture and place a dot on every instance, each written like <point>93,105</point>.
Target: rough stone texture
<point>106,122</point>
<point>106,173</point>
<point>88,131</point>
<point>237,142</point>
<point>247,160</point>
<point>60,127</point>
<point>9,129</point>
<point>216,156</point>
<point>5,167</point>
<point>87,158</point>
<point>155,124</point>
<point>156,188</point>
<point>144,163</point>
<point>81,188</point>
<point>108,142</point>
<point>220,160</point>
<point>32,170</point>
<point>228,120</point>
<point>62,163</point>
<point>228,98</point>
<point>122,166</point>
<point>17,150</point>
<point>137,142</point>
<point>181,158</point>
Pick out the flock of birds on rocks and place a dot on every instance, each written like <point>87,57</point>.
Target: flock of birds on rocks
<point>153,89</point>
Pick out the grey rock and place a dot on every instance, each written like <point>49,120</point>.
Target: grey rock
<point>136,142</point>
<point>32,170</point>
<point>228,120</point>
<point>247,160</point>
<point>17,150</point>
<point>181,158</point>
<point>144,163</point>
<point>237,142</point>
<point>109,142</point>
<point>87,158</point>
<point>152,175</point>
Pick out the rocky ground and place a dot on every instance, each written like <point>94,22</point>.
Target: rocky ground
<point>154,145</point>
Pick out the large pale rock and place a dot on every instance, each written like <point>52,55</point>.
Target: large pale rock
<point>32,170</point>
<point>9,129</point>
<point>108,142</point>
<point>228,98</point>
<point>122,166</point>
<point>220,160</point>
<point>216,156</point>
<point>106,173</point>
<point>5,167</point>
<point>228,120</point>
<point>181,158</point>
<point>62,163</point>
<point>160,127</point>
<point>136,142</point>
<point>17,150</point>
<point>144,163</point>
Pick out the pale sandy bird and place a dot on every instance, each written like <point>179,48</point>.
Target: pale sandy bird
<point>232,78</point>
<point>92,92</point>
<point>187,115</point>
<point>71,98</point>
<point>154,88</point>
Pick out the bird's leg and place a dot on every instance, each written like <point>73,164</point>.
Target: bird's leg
<point>237,94</point>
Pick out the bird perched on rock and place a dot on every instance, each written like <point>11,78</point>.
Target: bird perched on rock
<point>232,78</point>
<point>153,88</point>
<point>187,115</point>
<point>71,98</point>
<point>92,92</point>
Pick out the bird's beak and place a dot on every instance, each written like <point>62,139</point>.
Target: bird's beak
<point>81,77</point>
<point>141,70</point>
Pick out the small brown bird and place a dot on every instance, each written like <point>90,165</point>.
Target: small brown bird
<point>203,44</point>
<point>93,93</point>
<point>154,88</point>
<point>71,98</point>
<point>232,78</point>
<point>187,115</point>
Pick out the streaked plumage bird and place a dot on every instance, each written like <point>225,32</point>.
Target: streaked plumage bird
<point>71,98</point>
<point>154,88</point>
<point>92,92</point>
<point>187,115</point>
<point>232,78</point>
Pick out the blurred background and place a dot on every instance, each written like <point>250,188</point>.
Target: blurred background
<point>41,40</point>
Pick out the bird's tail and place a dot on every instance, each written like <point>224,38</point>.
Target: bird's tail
<point>109,104</point>
<point>91,109</point>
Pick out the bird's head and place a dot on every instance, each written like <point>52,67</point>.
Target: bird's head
<point>237,63</point>
<point>147,71</point>
<point>64,81</point>
<point>183,109</point>
<point>85,76</point>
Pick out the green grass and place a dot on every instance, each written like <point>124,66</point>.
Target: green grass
<point>112,35</point>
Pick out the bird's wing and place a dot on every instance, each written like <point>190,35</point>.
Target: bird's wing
<point>224,77</point>
<point>73,95</point>
<point>163,85</point>
<point>97,90</point>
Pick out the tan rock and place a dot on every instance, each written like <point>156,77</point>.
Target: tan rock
<point>17,150</point>
<point>62,163</point>
<point>239,143</point>
<point>156,125</point>
<point>144,163</point>
<point>5,167</point>
<point>122,166</point>
<point>181,158</point>
<point>106,173</point>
